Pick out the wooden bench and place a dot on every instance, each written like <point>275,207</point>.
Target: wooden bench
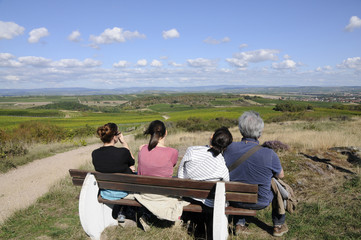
<point>229,191</point>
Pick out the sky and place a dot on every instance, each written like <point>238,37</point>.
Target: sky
<point>107,44</point>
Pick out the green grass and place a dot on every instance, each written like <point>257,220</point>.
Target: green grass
<point>81,119</point>
<point>165,107</point>
<point>31,113</point>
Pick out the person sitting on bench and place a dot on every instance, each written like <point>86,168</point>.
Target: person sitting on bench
<point>258,167</point>
<point>206,163</point>
<point>111,159</point>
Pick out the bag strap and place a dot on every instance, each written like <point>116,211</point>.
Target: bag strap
<point>244,157</point>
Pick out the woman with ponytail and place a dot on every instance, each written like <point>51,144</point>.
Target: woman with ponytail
<point>111,159</point>
<point>206,163</point>
<point>154,158</point>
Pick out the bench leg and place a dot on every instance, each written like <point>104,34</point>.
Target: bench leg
<point>94,216</point>
<point>220,221</point>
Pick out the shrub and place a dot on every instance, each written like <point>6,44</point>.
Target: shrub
<point>11,150</point>
<point>194,124</point>
<point>290,107</point>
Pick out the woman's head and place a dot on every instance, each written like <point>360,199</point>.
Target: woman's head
<point>221,138</point>
<point>107,132</point>
<point>250,124</point>
<point>157,131</point>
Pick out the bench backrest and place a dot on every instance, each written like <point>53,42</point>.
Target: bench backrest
<point>235,191</point>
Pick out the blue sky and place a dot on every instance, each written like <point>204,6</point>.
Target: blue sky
<point>115,44</point>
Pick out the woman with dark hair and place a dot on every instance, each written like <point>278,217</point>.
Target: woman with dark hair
<point>111,159</point>
<point>154,158</point>
<point>206,163</point>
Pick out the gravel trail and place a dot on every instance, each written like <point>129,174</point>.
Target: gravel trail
<point>20,187</point>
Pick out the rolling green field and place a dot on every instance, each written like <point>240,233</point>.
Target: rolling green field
<point>141,109</point>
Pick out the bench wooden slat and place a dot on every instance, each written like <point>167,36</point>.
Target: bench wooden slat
<point>171,191</point>
<point>189,208</point>
<point>159,181</point>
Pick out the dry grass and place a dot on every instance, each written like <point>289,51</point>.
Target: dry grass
<point>321,135</point>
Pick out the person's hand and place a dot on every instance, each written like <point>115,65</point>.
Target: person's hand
<point>132,168</point>
<point>121,138</point>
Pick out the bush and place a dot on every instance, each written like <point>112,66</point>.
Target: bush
<point>11,150</point>
<point>194,124</point>
<point>290,107</point>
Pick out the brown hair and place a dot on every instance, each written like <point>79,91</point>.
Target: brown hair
<point>107,132</point>
<point>222,137</point>
<point>157,131</point>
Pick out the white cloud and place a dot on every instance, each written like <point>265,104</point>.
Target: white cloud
<point>9,30</point>
<point>36,34</point>
<point>115,35</point>
<point>121,63</point>
<point>242,59</point>
<point>156,63</point>
<point>352,63</point>
<point>243,45</point>
<point>258,55</point>
<point>74,36</point>
<point>226,39</point>
<point>72,63</point>
<point>12,78</point>
<point>172,33</point>
<point>286,56</point>
<point>174,64</point>
<point>286,64</point>
<point>142,62</point>
<point>355,22</point>
<point>7,60</point>
<point>34,61</point>
<point>201,62</point>
<point>213,41</point>
<point>6,56</point>
<point>323,69</point>
<point>239,63</point>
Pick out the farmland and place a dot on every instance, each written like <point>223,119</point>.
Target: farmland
<point>138,109</point>
<point>29,121</point>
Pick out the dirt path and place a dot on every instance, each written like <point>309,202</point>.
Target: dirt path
<point>21,187</point>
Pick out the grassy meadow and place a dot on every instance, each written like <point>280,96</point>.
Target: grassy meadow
<point>329,196</point>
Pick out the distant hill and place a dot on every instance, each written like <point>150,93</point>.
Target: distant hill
<point>200,89</point>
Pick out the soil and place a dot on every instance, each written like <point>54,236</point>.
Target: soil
<point>21,187</point>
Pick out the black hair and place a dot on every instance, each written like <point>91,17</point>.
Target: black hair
<point>222,137</point>
<point>157,131</point>
<point>107,132</point>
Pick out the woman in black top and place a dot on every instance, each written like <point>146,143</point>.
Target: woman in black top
<point>111,159</point>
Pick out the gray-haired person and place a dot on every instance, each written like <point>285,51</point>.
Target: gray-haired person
<point>259,169</point>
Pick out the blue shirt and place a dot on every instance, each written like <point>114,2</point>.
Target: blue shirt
<point>257,169</point>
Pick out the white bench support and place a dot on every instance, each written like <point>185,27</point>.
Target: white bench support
<point>94,216</point>
<point>220,221</point>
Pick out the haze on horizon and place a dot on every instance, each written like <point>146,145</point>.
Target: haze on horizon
<point>119,44</point>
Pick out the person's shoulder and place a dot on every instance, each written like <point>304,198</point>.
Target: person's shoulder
<point>267,150</point>
<point>234,146</point>
<point>198,148</point>
<point>172,149</point>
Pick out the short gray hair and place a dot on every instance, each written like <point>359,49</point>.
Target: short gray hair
<point>250,124</point>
